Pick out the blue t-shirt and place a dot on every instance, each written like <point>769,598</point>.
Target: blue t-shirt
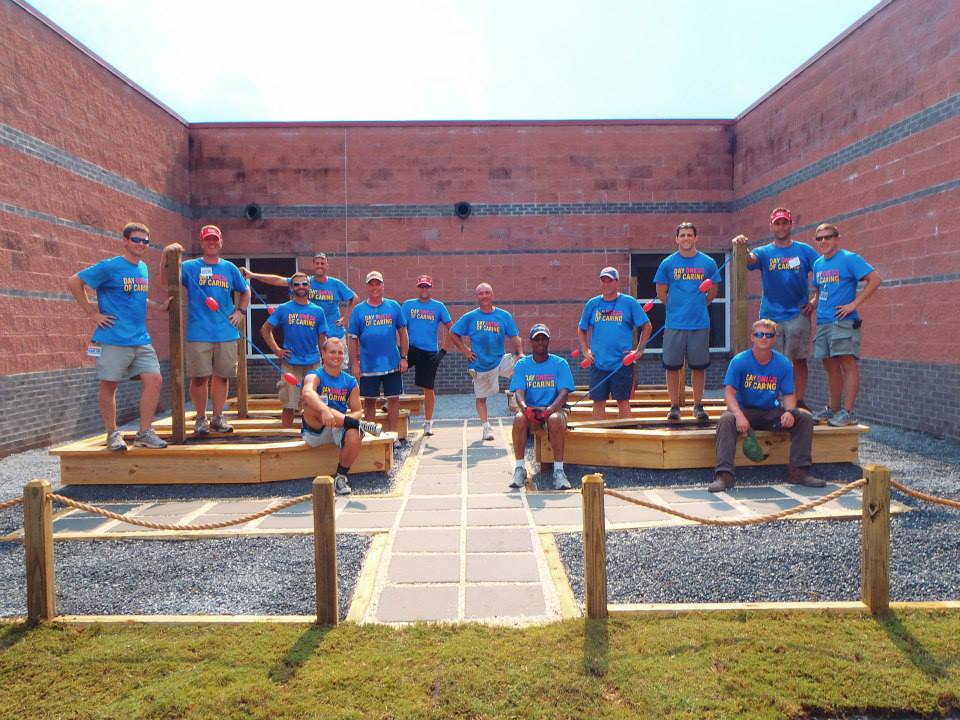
<point>541,382</point>
<point>487,333</point>
<point>613,323</point>
<point>218,281</point>
<point>302,327</point>
<point>328,295</point>
<point>837,279</point>
<point>423,321</point>
<point>376,328</point>
<point>785,274</point>
<point>334,390</point>
<point>686,305</point>
<point>759,386</point>
<point>122,290</point>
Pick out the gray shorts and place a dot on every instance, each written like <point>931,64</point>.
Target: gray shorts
<point>119,362</point>
<point>211,358</point>
<point>836,339</point>
<point>793,337</point>
<point>690,345</point>
<point>326,436</point>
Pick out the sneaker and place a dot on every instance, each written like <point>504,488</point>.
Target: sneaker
<point>341,486</point>
<point>674,414</point>
<point>560,481</point>
<point>371,428</point>
<point>723,480</point>
<point>218,424</point>
<point>115,441</point>
<point>149,439</point>
<point>201,426</point>
<point>519,477</point>
<point>488,432</point>
<point>799,476</point>
<point>842,418</point>
<point>428,428</point>
<point>823,415</point>
<point>700,414</point>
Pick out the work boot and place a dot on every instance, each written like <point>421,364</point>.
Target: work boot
<point>722,481</point>
<point>674,414</point>
<point>802,476</point>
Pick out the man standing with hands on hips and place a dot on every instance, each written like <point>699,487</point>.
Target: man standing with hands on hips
<point>424,315</point>
<point>606,338</point>
<point>785,266</point>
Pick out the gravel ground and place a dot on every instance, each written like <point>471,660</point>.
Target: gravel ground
<point>228,576</point>
<point>791,560</point>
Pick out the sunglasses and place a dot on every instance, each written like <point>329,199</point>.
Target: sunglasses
<point>766,335</point>
<point>821,238</point>
<point>301,284</point>
<point>139,240</point>
<point>424,287</point>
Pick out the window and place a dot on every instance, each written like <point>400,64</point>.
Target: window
<point>643,267</point>
<point>262,296</point>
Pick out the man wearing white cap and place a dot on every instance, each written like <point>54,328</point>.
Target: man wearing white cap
<point>424,315</point>
<point>541,383</point>
<point>376,328</point>
<point>606,338</point>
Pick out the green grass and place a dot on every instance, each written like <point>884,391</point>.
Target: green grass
<point>730,665</point>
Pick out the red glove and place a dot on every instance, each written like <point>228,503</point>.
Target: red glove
<point>531,415</point>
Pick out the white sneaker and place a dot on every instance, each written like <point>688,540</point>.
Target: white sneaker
<point>519,477</point>
<point>560,481</point>
<point>428,427</point>
<point>488,432</point>
<point>115,441</point>
<point>149,439</point>
<point>371,428</point>
<point>341,486</point>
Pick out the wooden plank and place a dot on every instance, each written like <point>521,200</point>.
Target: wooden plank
<point>583,413</point>
<point>170,469</point>
<point>376,455</point>
<point>325,551</point>
<point>38,552</point>
<point>242,378</point>
<point>178,395</point>
<point>683,608</point>
<point>739,331</point>
<point>876,539</point>
<point>592,447</point>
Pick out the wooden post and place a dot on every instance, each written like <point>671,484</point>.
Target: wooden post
<point>876,539</point>
<point>738,296</point>
<point>325,551</point>
<point>38,551</point>
<point>594,547</point>
<point>178,396</point>
<point>243,394</point>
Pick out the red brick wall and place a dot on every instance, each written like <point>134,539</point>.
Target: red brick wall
<point>56,94</point>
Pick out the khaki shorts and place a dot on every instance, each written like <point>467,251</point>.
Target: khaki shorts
<point>487,384</point>
<point>837,339</point>
<point>290,394</point>
<point>118,362</point>
<point>793,337</point>
<point>208,358</point>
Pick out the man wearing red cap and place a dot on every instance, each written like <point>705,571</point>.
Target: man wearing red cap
<point>785,266</point>
<point>424,316</point>
<point>212,322</point>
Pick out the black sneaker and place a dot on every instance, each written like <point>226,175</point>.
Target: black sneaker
<point>700,414</point>
<point>674,414</point>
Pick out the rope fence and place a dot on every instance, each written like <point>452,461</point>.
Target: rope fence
<point>38,543</point>
<point>11,503</point>
<point>875,560</point>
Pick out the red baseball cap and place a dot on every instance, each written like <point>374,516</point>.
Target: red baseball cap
<point>781,214</point>
<point>208,230</point>
<point>424,280</point>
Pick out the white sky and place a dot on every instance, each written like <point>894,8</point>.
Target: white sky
<point>214,60</point>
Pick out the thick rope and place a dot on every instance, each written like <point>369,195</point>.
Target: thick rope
<point>920,495</point>
<point>11,503</point>
<point>746,521</point>
<point>164,526</point>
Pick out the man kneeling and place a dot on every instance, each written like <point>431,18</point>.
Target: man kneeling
<point>332,410</point>
<point>541,383</point>
<point>758,388</point>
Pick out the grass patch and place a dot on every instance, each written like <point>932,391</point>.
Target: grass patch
<point>730,665</point>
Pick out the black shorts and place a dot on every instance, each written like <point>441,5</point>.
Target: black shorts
<point>425,365</point>
<point>392,385</point>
